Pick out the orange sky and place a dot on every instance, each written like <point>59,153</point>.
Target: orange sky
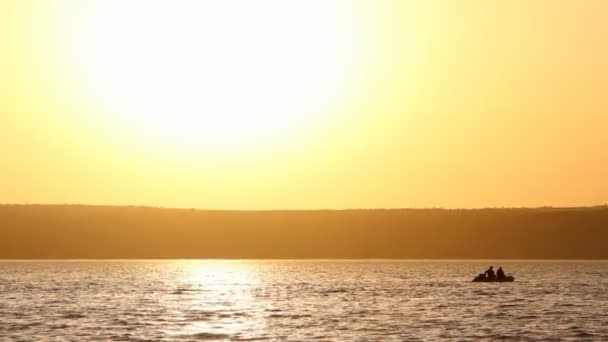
<point>323,104</point>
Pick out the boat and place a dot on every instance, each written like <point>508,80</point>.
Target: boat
<point>483,279</point>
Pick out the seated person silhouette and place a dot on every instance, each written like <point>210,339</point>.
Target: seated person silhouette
<point>500,274</point>
<point>490,273</point>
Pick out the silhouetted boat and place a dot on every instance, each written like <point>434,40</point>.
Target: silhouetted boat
<point>483,279</point>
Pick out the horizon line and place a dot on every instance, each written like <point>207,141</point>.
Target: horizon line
<point>144,206</point>
<point>308,259</point>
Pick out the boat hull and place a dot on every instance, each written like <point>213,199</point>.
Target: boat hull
<point>507,279</point>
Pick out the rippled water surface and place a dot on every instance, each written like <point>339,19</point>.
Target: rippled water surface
<point>300,300</point>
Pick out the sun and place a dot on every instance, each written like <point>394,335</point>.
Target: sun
<point>222,73</point>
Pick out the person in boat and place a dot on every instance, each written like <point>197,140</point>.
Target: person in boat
<point>500,274</point>
<point>490,273</point>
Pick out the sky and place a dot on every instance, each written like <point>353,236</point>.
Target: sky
<point>304,105</point>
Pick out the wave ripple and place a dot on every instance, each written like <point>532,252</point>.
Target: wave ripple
<point>300,300</point>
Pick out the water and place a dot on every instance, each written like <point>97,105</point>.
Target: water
<point>300,300</point>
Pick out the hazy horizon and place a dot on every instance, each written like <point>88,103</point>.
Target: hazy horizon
<point>98,232</point>
<point>599,205</point>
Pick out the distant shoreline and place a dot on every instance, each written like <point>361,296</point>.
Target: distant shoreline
<point>134,232</point>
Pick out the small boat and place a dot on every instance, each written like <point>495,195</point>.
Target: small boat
<point>483,279</point>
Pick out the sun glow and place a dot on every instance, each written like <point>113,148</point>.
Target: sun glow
<point>216,72</point>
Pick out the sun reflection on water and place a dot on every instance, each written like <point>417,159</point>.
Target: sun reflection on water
<point>216,299</point>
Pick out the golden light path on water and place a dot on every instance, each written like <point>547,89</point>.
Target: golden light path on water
<point>210,286</point>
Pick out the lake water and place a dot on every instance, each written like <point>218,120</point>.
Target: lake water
<point>300,300</point>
